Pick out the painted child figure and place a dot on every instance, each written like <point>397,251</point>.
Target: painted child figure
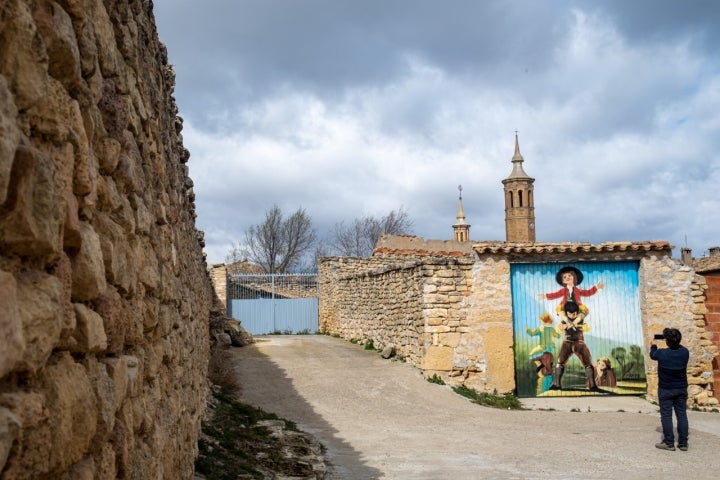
<point>547,334</point>
<point>543,354</point>
<point>569,278</point>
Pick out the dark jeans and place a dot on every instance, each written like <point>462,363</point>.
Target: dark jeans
<point>674,400</point>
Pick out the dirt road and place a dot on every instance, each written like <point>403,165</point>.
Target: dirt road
<point>381,419</point>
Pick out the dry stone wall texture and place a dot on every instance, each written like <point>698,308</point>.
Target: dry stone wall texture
<point>104,294</point>
<point>411,304</point>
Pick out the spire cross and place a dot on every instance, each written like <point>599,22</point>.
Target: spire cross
<point>460,190</point>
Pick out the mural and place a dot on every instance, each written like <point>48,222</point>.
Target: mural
<point>577,329</point>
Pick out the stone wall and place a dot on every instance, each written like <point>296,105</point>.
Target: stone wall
<point>673,295</point>
<point>451,314</point>
<point>104,295</point>
<point>405,304</point>
<point>218,276</point>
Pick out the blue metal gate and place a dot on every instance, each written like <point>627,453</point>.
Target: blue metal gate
<point>274,303</point>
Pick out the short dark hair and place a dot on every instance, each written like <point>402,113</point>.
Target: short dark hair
<point>571,307</point>
<point>672,337</point>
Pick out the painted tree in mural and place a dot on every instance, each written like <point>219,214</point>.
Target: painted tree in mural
<point>618,353</point>
<point>635,367</point>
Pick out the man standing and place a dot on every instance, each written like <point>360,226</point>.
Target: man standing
<point>672,388</point>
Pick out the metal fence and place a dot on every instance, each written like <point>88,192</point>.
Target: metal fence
<point>274,303</point>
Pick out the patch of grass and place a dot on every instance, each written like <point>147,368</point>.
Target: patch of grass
<point>507,401</point>
<point>436,379</point>
<point>232,445</point>
<point>369,345</point>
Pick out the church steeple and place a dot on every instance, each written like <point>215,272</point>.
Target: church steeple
<point>519,201</point>
<point>461,229</point>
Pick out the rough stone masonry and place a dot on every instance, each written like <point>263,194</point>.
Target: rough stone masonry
<point>104,295</point>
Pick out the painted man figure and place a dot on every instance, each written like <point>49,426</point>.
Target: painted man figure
<point>574,343</point>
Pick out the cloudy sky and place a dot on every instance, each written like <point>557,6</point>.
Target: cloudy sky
<point>360,107</point>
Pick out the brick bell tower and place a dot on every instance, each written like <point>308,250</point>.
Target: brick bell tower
<point>519,202</point>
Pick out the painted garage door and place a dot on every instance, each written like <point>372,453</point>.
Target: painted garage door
<point>601,352</point>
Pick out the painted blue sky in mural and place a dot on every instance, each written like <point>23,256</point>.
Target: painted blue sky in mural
<point>614,310</point>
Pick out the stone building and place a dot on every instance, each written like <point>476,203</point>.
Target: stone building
<point>460,310</point>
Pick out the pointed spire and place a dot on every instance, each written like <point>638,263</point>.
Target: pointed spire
<point>461,229</point>
<point>517,157</point>
<point>460,213</point>
<point>517,161</point>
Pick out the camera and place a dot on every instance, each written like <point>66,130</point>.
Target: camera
<point>659,336</point>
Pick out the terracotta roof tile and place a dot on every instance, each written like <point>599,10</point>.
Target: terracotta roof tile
<point>572,247</point>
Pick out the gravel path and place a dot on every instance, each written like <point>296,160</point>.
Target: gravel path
<point>381,419</point>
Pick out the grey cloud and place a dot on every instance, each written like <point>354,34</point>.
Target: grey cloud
<point>345,107</point>
<point>658,20</point>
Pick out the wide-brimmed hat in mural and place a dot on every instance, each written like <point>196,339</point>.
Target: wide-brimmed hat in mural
<point>578,274</point>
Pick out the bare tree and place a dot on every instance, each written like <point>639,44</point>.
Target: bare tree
<point>277,245</point>
<point>359,238</point>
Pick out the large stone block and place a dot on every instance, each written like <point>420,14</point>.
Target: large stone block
<point>11,326</point>
<point>40,295</point>
<point>437,358</point>
<point>107,405</point>
<point>9,136</point>
<point>9,428</point>
<point>73,411</point>
<point>88,269</point>
<point>34,441</point>
<point>499,358</point>
<point>23,59</point>
<point>32,225</point>
<point>56,28</point>
<point>89,332</point>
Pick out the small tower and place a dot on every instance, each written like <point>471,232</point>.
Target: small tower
<point>519,202</point>
<point>461,229</point>
<point>686,256</point>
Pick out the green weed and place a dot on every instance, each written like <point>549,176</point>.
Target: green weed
<point>507,401</point>
<point>232,440</point>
